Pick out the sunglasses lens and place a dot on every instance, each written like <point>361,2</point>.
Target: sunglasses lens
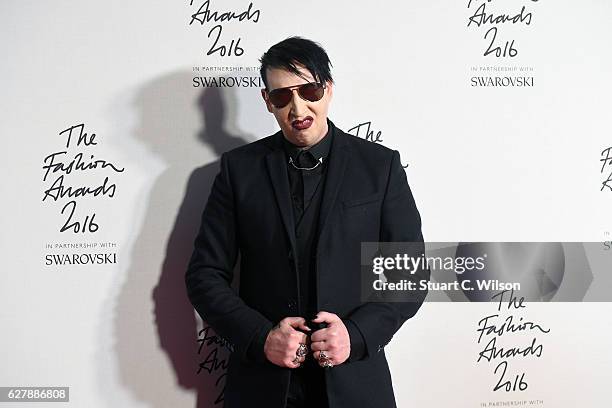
<point>280,97</point>
<point>312,92</point>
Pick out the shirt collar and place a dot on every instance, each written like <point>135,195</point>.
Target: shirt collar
<point>319,150</point>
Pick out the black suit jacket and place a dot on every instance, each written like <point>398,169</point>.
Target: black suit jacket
<point>366,198</point>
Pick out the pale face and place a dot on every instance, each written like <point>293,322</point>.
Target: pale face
<point>303,123</point>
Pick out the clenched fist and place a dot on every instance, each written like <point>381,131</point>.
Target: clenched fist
<point>283,341</point>
<point>334,339</point>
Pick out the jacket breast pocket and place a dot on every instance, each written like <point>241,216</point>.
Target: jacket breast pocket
<point>361,201</point>
<point>361,218</point>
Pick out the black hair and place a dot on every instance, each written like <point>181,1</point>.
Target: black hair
<point>297,50</point>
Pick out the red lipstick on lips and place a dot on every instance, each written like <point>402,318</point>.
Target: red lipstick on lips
<point>302,124</point>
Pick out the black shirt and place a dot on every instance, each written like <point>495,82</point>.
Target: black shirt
<point>307,168</point>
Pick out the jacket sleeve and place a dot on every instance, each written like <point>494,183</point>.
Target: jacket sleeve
<point>357,341</point>
<point>380,319</point>
<point>210,273</point>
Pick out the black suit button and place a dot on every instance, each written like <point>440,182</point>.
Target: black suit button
<point>291,304</point>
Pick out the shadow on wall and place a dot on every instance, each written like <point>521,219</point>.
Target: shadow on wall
<point>163,106</point>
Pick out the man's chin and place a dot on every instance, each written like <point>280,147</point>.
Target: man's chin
<point>299,138</point>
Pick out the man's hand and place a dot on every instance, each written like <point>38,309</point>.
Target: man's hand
<point>283,341</point>
<point>334,340</point>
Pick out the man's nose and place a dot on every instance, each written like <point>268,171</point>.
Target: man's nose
<point>297,104</point>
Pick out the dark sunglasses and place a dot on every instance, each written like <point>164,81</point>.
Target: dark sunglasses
<point>312,91</point>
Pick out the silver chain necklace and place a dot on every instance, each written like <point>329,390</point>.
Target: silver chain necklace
<point>319,162</point>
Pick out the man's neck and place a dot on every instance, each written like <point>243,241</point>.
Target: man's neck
<point>323,134</point>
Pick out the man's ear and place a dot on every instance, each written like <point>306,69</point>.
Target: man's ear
<point>330,89</point>
<point>265,98</point>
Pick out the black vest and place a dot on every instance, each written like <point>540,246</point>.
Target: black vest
<point>306,234</point>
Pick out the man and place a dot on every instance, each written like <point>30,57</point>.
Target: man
<point>296,206</point>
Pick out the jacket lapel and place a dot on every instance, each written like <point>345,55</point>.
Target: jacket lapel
<point>277,167</point>
<point>339,158</point>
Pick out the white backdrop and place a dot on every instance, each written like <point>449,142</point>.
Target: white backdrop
<point>513,163</point>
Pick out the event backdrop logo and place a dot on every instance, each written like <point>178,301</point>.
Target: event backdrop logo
<point>482,18</point>
<point>510,323</point>
<point>76,179</point>
<point>496,22</point>
<point>219,45</point>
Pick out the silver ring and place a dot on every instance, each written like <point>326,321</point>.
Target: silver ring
<point>302,350</point>
<point>323,356</point>
<point>326,363</point>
